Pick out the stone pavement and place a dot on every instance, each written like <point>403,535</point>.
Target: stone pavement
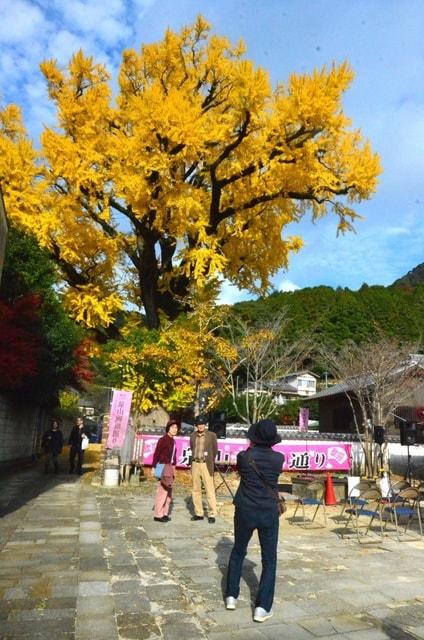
<point>80,561</point>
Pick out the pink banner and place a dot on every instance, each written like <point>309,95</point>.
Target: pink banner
<point>299,456</point>
<point>119,415</point>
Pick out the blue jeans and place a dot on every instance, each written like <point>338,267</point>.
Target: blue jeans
<point>245,522</point>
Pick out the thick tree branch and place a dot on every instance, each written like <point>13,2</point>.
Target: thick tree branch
<point>168,246</point>
<point>293,195</point>
<point>190,170</point>
<point>127,212</point>
<point>303,133</point>
<point>243,132</point>
<point>74,277</point>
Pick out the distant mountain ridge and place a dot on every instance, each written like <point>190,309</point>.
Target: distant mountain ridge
<point>334,316</point>
<point>413,278</point>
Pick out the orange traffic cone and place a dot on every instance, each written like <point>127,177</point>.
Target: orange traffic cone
<point>330,496</point>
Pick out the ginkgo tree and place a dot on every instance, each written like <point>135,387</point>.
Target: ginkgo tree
<point>171,366</point>
<point>193,170</point>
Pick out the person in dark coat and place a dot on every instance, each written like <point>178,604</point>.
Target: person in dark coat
<point>52,444</point>
<point>165,453</point>
<point>76,443</point>
<point>256,507</point>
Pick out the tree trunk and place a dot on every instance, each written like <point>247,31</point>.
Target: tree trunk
<point>111,332</point>
<point>154,300</point>
<point>148,280</point>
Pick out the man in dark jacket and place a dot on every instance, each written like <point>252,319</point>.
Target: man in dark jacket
<point>76,439</point>
<point>204,447</point>
<point>52,444</point>
<point>256,503</point>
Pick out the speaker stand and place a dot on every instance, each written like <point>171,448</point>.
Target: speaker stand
<point>408,474</point>
<point>381,459</point>
<point>223,479</point>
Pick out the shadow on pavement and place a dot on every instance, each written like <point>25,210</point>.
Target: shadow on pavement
<point>223,550</point>
<point>20,486</point>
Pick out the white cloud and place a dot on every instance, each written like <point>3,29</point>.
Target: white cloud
<point>230,294</point>
<point>20,21</point>
<point>377,254</point>
<point>143,5</point>
<point>7,64</point>
<point>63,45</point>
<point>36,90</point>
<point>397,231</point>
<point>42,114</point>
<point>105,21</point>
<point>17,64</point>
<point>113,31</point>
<point>287,285</point>
<point>84,15</point>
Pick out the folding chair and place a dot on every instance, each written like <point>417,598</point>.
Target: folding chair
<point>315,487</point>
<point>406,505</point>
<point>354,499</point>
<point>369,507</point>
<point>398,486</point>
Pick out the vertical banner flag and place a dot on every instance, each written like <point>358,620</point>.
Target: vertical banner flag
<point>303,419</point>
<point>119,415</point>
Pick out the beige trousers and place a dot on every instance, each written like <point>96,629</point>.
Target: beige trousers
<point>199,475</point>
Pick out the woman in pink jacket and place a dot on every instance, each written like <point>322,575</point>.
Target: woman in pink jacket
<point>165,453</point>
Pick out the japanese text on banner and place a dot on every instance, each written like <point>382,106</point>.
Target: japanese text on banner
<point>119,415</point>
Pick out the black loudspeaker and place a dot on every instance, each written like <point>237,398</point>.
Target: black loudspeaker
<point>379,434</point>
<point>218,423</point>
<point>408,433</point>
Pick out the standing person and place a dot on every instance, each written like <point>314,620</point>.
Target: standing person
<point>204,447</point>
<point>165,453</point>
<point>76,443</point>
<point>256,507</point>
<point>52,444</point>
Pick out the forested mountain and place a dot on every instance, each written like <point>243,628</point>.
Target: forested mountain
<point>336,315</point>
<point>413,278</point>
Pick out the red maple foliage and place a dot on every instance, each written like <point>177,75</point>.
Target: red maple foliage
<point>20,344</point>
<point>82,370</point>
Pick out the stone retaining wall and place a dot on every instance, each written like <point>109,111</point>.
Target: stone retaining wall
<point>21,428</point>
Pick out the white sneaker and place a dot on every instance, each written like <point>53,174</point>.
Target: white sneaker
<point>230,602</point>
<point>261,615</point>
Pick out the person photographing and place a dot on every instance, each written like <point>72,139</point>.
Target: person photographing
<point>256,507</point>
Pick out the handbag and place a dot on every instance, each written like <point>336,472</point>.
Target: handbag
<point>84,442</point>
<point>158,470</point>
<point>168,476</point>
<point>281,503</point>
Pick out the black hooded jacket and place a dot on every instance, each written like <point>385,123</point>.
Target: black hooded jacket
<point>252,493</point>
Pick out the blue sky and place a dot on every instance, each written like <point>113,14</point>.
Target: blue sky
<point>382,39</point>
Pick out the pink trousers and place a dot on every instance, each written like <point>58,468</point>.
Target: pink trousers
<point>163,499</point>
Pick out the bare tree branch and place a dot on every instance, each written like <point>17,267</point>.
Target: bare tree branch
<point>376,377</point>
<point>263,355</point>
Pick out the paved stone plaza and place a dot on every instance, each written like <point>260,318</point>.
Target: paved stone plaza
<point>80,561</point>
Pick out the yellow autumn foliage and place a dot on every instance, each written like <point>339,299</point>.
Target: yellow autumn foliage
<point>193,171</point>
<point>171,366</point>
